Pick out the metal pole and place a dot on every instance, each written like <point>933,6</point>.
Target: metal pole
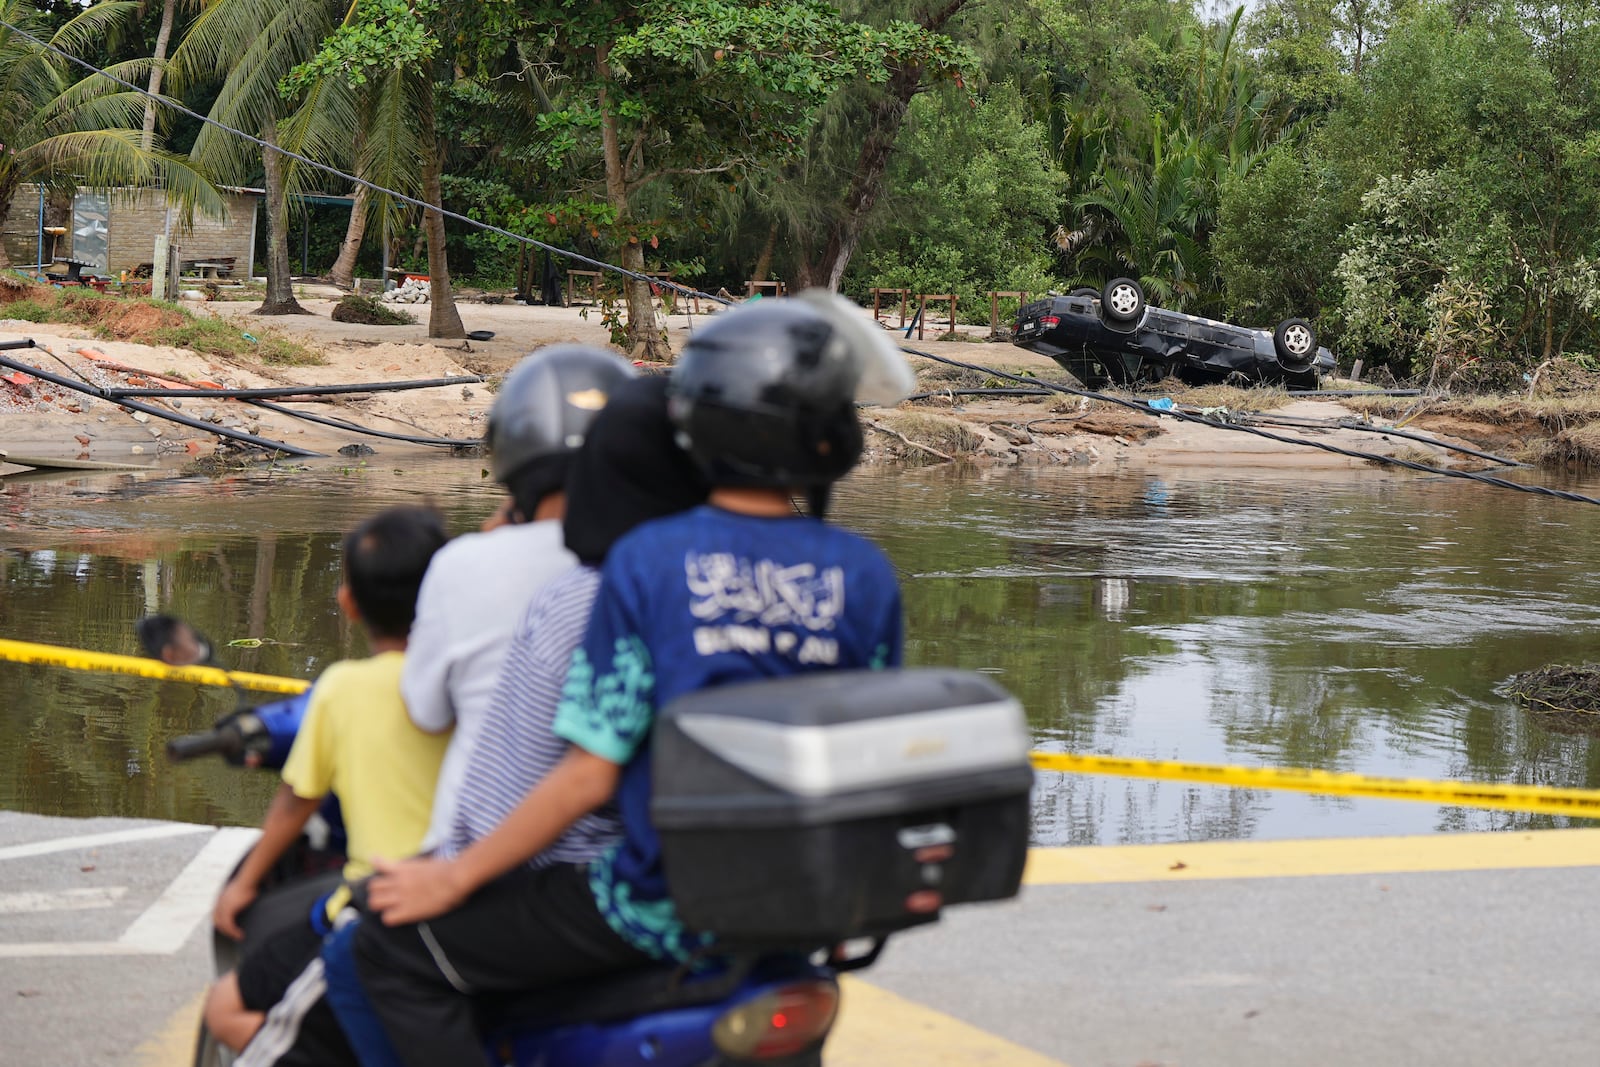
<point>38,272</point>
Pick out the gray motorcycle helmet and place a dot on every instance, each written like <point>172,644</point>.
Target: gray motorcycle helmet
<point>546,403</point>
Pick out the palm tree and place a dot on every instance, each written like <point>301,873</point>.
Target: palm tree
<point>258,42</point>
<point>64,134</point>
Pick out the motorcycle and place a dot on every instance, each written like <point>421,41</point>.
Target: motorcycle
<point>773,996</point>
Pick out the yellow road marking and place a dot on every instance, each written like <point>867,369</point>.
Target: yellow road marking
<point>173,1044</point>
<point>1291,859</point>
<point>876,1028</point>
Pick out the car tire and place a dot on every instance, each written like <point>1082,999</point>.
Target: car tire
<point>1295,341</point>
<point>1084,290</point>
<point>1122,300</point>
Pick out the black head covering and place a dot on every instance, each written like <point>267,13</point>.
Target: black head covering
<point>629,470</point>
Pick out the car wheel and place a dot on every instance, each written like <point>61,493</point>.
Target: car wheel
<point>1296,344</point>
<point>1122,300</point>
<point>1084,290</point>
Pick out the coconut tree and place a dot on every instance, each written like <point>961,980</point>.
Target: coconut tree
<point>158,68</point>
<point>63,133</point>
<point>258,43</point>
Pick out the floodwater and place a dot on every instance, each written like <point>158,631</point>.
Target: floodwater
<point>1349,622</point>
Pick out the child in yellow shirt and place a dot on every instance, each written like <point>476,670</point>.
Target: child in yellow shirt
<point>356,741</point>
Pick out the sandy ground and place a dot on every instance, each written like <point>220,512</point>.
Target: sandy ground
<point>41,420</point>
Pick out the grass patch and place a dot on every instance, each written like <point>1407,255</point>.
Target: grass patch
<point>952,437</point>
<point>144,321</point>
<point>224,340</point>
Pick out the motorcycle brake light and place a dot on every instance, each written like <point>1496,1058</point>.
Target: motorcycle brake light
<point>788,1020</point>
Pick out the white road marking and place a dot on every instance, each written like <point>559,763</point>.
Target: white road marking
<point>167,924</point>
<point>112,837</point>
<point>59,949</point>
<point>163,927</point>
<point>60,900</point>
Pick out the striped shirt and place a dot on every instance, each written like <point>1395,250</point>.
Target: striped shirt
<point>515,747</point>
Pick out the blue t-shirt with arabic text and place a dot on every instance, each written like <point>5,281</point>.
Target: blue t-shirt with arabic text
<point>702,599</point>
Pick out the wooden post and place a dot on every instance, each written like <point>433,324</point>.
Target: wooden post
<point>994,306</point>
<point>922,316</point>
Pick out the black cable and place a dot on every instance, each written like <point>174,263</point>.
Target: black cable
<point>1346,424</point>
<point>170,416</point>
<point>341,424</point>
<point>1538,490</point>
<point>402,197</point>
<point>297,390</point>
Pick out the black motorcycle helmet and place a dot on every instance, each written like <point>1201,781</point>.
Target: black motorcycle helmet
<point>543,410</point>
<point>765,396</point>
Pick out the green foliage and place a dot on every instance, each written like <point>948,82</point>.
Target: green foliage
<point>1419,240</point>
<point>65,133</point>
<point>386,34</point>
<point>1278,237</point>
<point>1150,157</point>
<point>221,339</point>
<point>974,193</point>
<point>107,314</point>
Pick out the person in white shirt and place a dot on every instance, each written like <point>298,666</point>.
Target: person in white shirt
<point>478,586</point>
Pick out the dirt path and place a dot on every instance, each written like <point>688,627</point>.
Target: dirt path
<point>38,419</point>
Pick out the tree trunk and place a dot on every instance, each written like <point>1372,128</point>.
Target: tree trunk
<point>343,271</point>
<point>884,118</point>
<point>443,318</point>
<point>280,278</point>
<point>163,37</point>
<point>764,261</point>
<point>645,339</point>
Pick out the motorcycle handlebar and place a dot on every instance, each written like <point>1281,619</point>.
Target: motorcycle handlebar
<point>192,746</point>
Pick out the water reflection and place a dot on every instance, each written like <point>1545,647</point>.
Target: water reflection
<point>1360,623</point>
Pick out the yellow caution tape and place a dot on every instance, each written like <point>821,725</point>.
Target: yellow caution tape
<point>1545,800</point>
<point>138,666</point>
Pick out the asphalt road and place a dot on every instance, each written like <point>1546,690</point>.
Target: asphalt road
<point>1466,949</point>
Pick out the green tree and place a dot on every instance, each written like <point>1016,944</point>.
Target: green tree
<point>1280,233</point>
<point>65,134</point>
<point>1150,161</point>
<point>1476,137</point>
<point>671,90</point>
<point>969,198</point>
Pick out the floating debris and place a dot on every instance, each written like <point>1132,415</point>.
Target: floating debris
<point>1562,697</point>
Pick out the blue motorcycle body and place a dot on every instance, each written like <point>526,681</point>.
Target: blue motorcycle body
<point>660,1016</point>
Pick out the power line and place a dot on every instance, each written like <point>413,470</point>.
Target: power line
<point>402,197</point>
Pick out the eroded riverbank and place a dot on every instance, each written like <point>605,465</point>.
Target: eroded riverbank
<point>43,420</point>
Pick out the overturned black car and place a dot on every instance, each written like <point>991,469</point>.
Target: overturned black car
<point>1113,335</point>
